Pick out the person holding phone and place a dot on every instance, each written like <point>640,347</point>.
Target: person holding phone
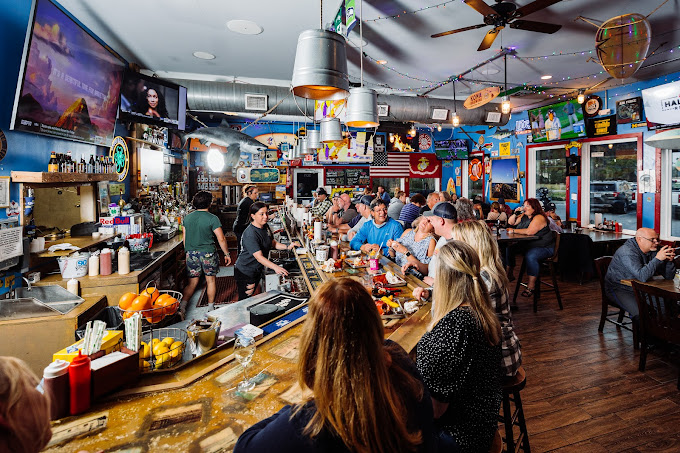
<point>639,258</point>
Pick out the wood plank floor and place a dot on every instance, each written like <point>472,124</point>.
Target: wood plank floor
<point>584,392</point>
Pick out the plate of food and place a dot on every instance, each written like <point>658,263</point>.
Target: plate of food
<point>389,307</point>
<point>353,253</point>
<point>388,279</point>
<point>331,265</point>
<point>356,263</point>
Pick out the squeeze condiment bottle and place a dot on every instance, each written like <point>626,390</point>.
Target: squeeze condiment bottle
<point>123,261</point>
<point>72,286</point>
<point>79,375</point>
<point>93,265</point>
<point>334,250</point>
<point>56,385</point>
<point>105,262</point>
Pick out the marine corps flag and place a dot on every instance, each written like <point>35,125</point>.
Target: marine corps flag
<point>424,165</point>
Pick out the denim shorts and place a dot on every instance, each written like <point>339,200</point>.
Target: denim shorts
<point>198,263</point>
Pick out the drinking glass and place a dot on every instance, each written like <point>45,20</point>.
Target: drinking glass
<point>244,349</point>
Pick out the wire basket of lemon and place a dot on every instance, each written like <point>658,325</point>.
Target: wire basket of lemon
<point>153,304</point>
<point>161,349</point>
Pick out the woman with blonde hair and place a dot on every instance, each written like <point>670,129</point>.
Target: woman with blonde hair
<point>415,247</point>
<point>478,236</point>
<point>366,394</point>
<point>24,411</point>
<point>458,357</point>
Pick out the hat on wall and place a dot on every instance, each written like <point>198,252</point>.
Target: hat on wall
<point>443,209</point>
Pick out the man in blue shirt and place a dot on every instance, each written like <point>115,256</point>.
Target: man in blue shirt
<point>383,195</point>
<point>375,233</point>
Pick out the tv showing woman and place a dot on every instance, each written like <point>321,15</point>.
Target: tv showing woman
<point>151,102</point>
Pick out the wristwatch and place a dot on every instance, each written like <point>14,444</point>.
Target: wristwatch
<point>407,253</point>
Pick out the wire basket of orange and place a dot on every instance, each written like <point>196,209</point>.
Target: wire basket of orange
<point>162,348</point>
<point>152,304</point>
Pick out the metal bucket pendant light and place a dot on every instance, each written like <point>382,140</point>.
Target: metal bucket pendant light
<point>331,131</point>
<point>455,120</point>
<point>314,139</point>
<point>362,105</point>
<point>320,70</point>
<point>505,105</point>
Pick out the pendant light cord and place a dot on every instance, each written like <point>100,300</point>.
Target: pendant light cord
<point>505,73</point>
<point>455,108</point>
<point>321,15</point>
<point>361,40</point>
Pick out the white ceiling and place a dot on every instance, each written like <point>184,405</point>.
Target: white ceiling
<point>161,36</point>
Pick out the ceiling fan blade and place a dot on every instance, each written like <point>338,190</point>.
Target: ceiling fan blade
<point>533,7</point>
<point>530,25</point>
<point>481,7</point>
<point>458,30</point>
<point>489,39</point>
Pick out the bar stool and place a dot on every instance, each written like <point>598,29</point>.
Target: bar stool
<point>602,265</point>
<point>512,418</point>
<point>551,263</point>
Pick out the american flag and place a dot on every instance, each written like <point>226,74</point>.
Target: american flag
<point>390,165</point>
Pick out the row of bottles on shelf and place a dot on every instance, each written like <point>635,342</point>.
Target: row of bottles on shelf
<point>209,186</point>
<point>64,163</point>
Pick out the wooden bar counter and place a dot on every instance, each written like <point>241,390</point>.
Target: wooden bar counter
<point>115,285</point>
<point>196,407</point>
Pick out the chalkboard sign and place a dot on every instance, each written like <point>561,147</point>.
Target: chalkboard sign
<point>357,177</point>
<point>335,177</point>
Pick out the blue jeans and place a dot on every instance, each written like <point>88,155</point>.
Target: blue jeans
<point>626,300</point>
<point>534,256</point>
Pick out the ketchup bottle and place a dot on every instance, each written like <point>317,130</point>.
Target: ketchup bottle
<point>79,374</point>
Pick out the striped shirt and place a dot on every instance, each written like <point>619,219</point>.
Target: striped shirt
<point>408,214</point>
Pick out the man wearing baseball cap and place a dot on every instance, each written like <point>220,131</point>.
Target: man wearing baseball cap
<point>362,205</point>
<point>323,205</point>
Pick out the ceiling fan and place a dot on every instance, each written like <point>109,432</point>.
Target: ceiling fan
<point>506,13</point>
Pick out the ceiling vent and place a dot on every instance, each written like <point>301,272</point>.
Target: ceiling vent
<point>256,102</point>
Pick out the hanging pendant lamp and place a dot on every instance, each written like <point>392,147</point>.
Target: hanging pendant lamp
<point>505,105</point>
<point>331,130</point>
<point>304,148</point>
<point>313,139</point>
<point>362,105</point>
<point>455,120</point>
<point>320,70</point>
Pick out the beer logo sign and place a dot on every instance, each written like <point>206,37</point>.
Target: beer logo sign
<point>120,156</point>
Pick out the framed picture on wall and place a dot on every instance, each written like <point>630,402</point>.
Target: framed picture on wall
<point>504,179</point>
<point>4,191</point>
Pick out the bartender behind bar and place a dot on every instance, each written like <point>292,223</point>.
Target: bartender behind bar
<point>256,242</point>
<point>250,194</point>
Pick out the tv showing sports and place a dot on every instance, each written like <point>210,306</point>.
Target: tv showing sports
<point>150,100</point>
<point>69,81</point>
<point>563,121</point>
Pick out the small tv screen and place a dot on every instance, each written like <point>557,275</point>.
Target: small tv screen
<point>266,197</point>
<point>562,121</point>
<point>69,82</point>
<point>150,100</point>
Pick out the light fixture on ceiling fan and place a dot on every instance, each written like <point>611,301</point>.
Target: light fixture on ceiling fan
<point>506,13</point>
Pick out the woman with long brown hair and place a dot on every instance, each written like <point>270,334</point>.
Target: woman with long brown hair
<point>531,222</point>
<point>367,396</point>
<point>460,354</point>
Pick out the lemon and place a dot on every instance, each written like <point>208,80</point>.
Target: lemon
<point>162,359</point>
<point>160,348</point>
<point>144,351</point>
<point>176,349</point>
<point>145,365</point>
<point>168,340</point>
<point>154,342</point>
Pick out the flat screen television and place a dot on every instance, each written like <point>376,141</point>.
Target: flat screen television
<point>150,100</point>
<point>266,197</point>
<point>562,121</point>
<point>69,81</point>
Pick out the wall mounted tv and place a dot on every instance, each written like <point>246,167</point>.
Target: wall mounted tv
<point>150,100</point>
<point>565,123</point>
<point>69,81</point>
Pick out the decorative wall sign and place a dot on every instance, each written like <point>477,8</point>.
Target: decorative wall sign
<point>120,156</point>
<point>481,97</point>
<point>629,111</point>
<point>424,165</point>
<point>357,177</point>
<point>574,165</point>
<point>335,177</point>
<point>424,141</point>
<point>592,105</point>
<point>662,105</point>
<point>476,170</point>
<point>275,140</point>
<point>504,149</point>
<point>599,127</point>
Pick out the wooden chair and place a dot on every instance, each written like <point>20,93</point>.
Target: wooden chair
<point>601,266</point>
<point>659,317</point>
<point>551,263</point>
<point>511,418</point>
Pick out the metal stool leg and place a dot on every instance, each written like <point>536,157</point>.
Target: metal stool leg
<point>519,282</point>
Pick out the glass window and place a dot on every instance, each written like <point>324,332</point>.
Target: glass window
<point>613,183</point>
<point>675,193</point>
<point>391,185</point>
<point>551,178</point>
<point>475,188</point>
<point>422,185</point>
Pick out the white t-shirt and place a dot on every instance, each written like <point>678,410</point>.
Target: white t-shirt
<point>552,129</point>
<point>433,262</point>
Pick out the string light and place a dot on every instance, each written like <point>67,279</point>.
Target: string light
<point>397,16</point>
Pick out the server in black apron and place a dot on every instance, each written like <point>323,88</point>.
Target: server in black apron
<point>250,195</point>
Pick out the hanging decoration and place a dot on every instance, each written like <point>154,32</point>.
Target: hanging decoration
<point>404,13</point>
<point>619,43</point>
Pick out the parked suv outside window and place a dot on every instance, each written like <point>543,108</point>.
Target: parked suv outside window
<point>611,196</point>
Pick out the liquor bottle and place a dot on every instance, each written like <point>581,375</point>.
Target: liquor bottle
<point>68,162</point>
<point>53,165</point>
<point>83,165</point>
<point>90,164</point>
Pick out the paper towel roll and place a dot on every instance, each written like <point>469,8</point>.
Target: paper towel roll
<point>317,231</point>
<point>598,219</point>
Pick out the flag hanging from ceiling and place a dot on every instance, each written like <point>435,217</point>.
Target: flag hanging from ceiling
<point>390,165</point>
<point>424,165</point>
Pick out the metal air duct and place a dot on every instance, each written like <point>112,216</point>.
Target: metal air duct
<point>229,97</point>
